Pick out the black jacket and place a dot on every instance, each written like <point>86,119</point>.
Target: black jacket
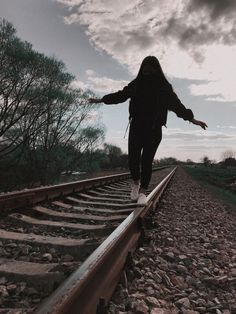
<point>151,99</point>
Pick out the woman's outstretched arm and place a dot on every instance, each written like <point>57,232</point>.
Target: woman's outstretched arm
<point>94,100</point>
<point>115,98</point>
<point>175,105</point>
<point>200,123</point>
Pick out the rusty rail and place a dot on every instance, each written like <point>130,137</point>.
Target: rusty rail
<point>29,197</point>
<point>13,200</point>
<point>89,288</point>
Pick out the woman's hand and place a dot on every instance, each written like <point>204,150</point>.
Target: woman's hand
<point>200,123</point>
<point>94,100</point>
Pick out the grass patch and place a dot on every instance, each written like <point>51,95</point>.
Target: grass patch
<point>221,182</point>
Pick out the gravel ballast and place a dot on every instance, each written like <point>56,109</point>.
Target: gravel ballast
<point>187,263</point>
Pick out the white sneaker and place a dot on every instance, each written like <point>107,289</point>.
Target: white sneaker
<point>142,199</point>
<point>134,194</point>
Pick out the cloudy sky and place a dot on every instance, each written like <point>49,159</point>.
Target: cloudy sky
<point>103,42</point>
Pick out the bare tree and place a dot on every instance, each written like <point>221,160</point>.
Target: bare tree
<point>228,154</point>
<point>25,78</point>
<point>64,123</point>
<point>41,116</point>
<point>206,161</point>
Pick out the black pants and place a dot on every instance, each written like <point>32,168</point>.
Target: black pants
<point>144,139</point>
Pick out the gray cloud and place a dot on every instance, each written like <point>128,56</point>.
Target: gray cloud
<point>205,22</point>
<point>192,37</point>
<point>192,27</point>
<point>194,136</point>
<point>181,30</point>
<point>202,147</point>
<point>215,8</point>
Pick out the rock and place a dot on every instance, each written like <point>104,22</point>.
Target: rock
<point>152,301</point>
<point>150,291</point>
<point>11,288</point>
<point>21,287</point>
<point>201,302</point>
<point>11,245</point>
<point>216,271</point>
<point>233,272</point>
<point>112,308</point>
<point>3,292</point>
<point>163,303</point>
<point>217,301</point>
<point>137,272</point>
<point>182,257</point>
<point>215,281</point>
<point>233,307</point>
<point>141,307</point>
<point>183,302</point>
<point>169,256</point>
<point>222,280</point>
<point>179,282</point>
<point>158,250</point>
<point>137,295</point>
<point>150,282</point>
<point>143,261</point>
<point>25,250</point>
<point>158,310</point>
<point>24,303</point>
<point>181,269</point>
<point>157,277</point>
<point>210,303</point>
<point>2,280</point>
<point>2,251</point>
<point>47,257</point>
<point>232,280</point>
<point>67,258</point>
<point>180,295</point>
<point>200,309</point>
<point>190,281</point>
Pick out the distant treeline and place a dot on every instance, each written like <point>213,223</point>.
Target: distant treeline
<point>228,160</point>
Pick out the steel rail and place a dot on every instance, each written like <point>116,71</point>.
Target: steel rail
<point>13,200</point>
<point>90,287</point>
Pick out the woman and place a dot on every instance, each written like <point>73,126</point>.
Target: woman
<point>151,96</point>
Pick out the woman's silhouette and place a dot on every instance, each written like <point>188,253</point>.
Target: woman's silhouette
<point>151,96</point>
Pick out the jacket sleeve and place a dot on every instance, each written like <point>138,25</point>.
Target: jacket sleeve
<point>118,97</point>
<point>174,104</point>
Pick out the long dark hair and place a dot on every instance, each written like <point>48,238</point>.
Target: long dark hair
<point>154,62</point>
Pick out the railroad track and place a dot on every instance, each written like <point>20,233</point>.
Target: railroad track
<point>69,243</point>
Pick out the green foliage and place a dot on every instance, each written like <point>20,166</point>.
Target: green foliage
<point>229,162</point>
<point>168,161</point>
<point>110,157</point>
<point>206,161</point>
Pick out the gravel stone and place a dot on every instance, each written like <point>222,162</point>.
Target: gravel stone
<point>187,262</point>
<point>151,301</point>
<point>184,302</point>
<point>141,307</point>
